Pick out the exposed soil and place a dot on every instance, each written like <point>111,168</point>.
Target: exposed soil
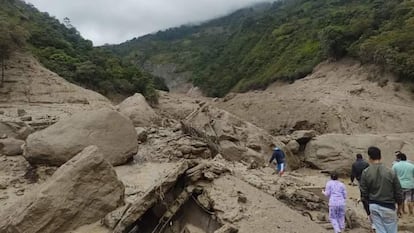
<point>337,97</point>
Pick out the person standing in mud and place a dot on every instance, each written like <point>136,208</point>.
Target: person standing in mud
<point>357,167</point>
<point>336,192</point>
<point>278,156</point>
<point>381,189</point>
<point>405,173</point>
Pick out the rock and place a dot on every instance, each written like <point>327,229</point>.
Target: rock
<point>185,149</point>
<point>207,170</point>
<point>10,127</point>
<point>26,118</point>
<point>80,192</point>
<point>231,151</point>
<point>3,184</point>
<point>337,151</point>
<point>241,198</point>
<point>321,217</point>
<point>113,133</point>
<point>293,146</point>
<point>227,229</point>
<point>303,136</point>
<point>112,218</point>
<point>19,192</point>
<point>24,132</point>
<point>11,146</point>
<point>138,110</point>
<point>142,134</point>
<point>21,112</point>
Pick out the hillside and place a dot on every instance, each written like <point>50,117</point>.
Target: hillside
<point>255,47</point>
<point>338,97</point>
<point>60,48</point>
<point>40,92</point>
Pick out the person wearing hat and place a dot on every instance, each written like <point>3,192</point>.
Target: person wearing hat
<point>278,156</point>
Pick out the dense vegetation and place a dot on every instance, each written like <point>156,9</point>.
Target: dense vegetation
<point>254,47</point>
<point>61,49</point>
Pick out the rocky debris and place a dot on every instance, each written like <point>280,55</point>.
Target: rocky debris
<point>170,192</point>
<point>42,123</point>
<point>169,144</point>
<point>127,216</point>
<point>114,135</point>
<point>149,173</point>
<point>227,229</point>
<point>175,106</point>
<point>207,170</point>
<point>337,151</point>
<point>142,134</point>
<point>26,118</point>
<point>21,112</point>
<point>80,192</point>
<point>232,137</point>
<point>24,132</point>
<point>3,184</point>
<point>138,110</point>
<point>258,210</point>
<point>11,146</point>
<point>14,128</point>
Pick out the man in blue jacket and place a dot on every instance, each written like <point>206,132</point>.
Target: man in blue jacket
<point>279,156</point>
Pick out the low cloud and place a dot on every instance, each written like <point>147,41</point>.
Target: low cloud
<point>107,21</point>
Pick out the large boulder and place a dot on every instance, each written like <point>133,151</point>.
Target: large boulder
<point>80,192</point>
<point>138,110</point>
<point>113,133</point>
<point>236,139</point>
<point>337,151</point>
<point>11,146</point>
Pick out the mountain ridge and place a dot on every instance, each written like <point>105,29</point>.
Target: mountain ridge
<point>249,50</point>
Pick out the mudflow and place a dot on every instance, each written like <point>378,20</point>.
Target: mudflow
<point>72,161</point>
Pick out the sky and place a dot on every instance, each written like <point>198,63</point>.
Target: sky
<point>112,22</point>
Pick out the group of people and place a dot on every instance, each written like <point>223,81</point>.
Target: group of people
<point>384,191</point>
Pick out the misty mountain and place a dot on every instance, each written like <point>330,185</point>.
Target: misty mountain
<point>254,47</point>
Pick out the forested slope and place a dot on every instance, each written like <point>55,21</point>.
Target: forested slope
<point>62,49</point>
<point>254,47</point>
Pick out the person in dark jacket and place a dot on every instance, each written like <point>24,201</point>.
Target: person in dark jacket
<point>278,156</point>
<point>357,167</point>
<point>381,189</point>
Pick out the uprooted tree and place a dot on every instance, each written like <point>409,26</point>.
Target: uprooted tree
<point>12,37</point>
